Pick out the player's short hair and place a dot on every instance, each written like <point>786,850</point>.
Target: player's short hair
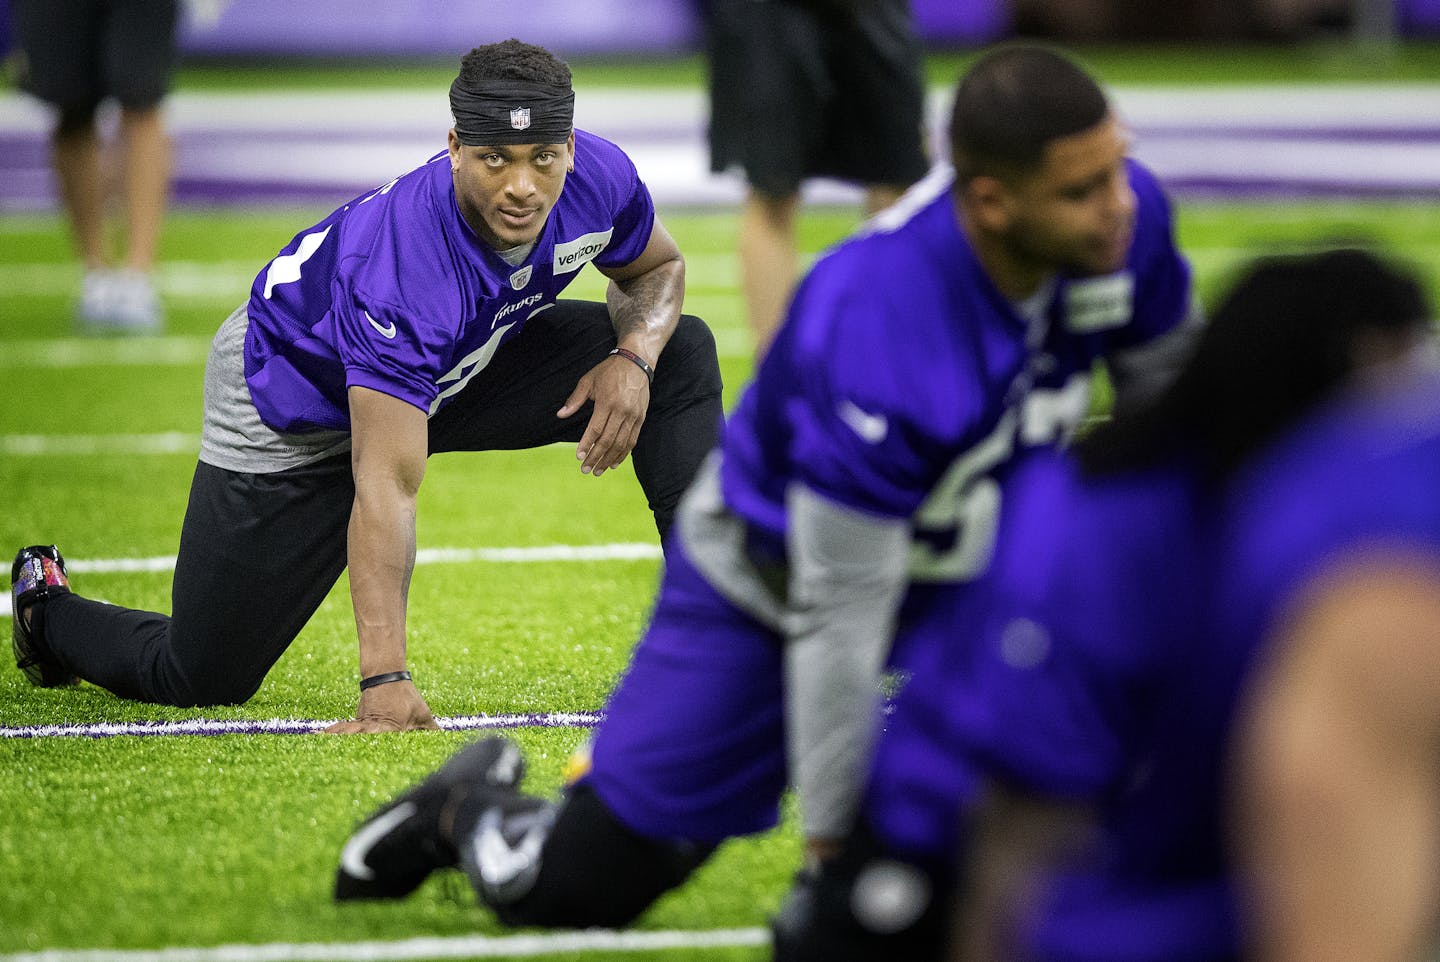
<point>1289,331</point>
<point>1014,101</point>
<point>511,60</point>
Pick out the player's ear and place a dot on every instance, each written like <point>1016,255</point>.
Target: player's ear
<point>988,200</point>
<point>570,148</point>
<point>454,143</point>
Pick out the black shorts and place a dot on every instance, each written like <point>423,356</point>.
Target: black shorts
<point>816,88</point>
<point>77,53</point>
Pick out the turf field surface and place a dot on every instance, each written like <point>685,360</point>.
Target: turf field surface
<point>170,845</point>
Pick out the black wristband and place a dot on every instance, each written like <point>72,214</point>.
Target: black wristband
<point>640,362</point>
<point>384,679</point>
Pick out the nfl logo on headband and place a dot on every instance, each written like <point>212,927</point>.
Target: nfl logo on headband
<point>520,118</point>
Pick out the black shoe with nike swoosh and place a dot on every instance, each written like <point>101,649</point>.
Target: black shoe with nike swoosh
<point>397,848</point>
<point>500,838</point>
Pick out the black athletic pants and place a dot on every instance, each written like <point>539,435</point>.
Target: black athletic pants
<point>259,552</point>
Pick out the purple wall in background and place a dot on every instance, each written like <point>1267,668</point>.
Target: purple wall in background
<point>1419,18</point>
<point>961,21</point>
<point>431,27</point>
<point>264,27</point>
<point>434,26</point>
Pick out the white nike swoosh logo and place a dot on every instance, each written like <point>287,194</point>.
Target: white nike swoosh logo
<point>870,427</point>
<point>387,332</point>
<point>352,856</point>
<point>502,770</point>
<point>499,862</point>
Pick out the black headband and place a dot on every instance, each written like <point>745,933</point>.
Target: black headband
<point>512,112</point>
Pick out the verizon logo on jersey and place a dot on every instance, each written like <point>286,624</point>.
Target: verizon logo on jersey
<point>575,254</point>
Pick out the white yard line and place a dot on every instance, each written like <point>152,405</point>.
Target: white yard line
<point>46,445</point>
<point>228,282</point>
<point>65,352</point>
<point>456,947</point>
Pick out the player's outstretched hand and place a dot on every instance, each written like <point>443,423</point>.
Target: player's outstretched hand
<point>396,707</point>
<point>621,393</point>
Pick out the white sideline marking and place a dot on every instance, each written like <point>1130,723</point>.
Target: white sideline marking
<point>632,551</point>
<point>620,551</point>
<point>288,726</point>
<point>457,947</point>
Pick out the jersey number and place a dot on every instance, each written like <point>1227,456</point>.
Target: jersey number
<point>954,530</point>
<point>286,268</point>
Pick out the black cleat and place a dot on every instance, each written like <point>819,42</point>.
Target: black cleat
<point>398,847</point>
<point>38,574</point>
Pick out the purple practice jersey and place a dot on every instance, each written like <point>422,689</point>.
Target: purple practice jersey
<point>1092,582</point>
<point>1362,471</point>
<point>1112,661</point>
<point>395,292</point>
<point>903,381</point>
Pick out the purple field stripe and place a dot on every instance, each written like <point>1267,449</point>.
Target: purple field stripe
<point>1232,130</point>
<point>241,192</point>
<point>1221,187</point>
<point>36,144</point>
<point>427,133</point>
<point>288,726</point>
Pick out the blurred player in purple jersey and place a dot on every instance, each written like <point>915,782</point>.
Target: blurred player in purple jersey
<point>856,487</point>
<point>421,317</point>
<point>1080,712</point>
<point>1336,778</point>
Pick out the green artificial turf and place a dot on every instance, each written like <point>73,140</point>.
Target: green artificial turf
<point>154,842</point>
<point>1319,61</point>
<point>147,842</point>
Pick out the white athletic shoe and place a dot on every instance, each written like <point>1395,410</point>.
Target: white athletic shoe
<point>97,294</point>
<point>135,307</point>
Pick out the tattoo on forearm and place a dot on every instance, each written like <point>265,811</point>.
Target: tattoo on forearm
<point>648,303</point>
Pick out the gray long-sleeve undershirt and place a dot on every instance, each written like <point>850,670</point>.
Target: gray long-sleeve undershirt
<point>847,577</point>
<point>847,573</point>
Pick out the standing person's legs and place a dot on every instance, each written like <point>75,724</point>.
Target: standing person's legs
<point>511,404</point>
<point>769,261</point>
<point>146,148</point>
<point>75,156</point>
<point>60,41</point>
<point>876,133</point>
<point>139,59</point>
<point>258,553</point>
<point>768,87</point>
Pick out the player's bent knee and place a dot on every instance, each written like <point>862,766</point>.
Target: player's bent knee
<point>690,364</point>
<point>597,872</point>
